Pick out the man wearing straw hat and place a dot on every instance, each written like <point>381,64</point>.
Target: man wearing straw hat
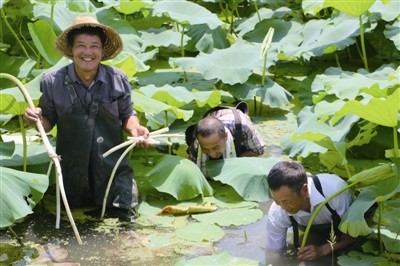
<point>91,104</point>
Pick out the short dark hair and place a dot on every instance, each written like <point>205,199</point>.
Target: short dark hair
<point>87,30</point>
<point>286,173</point>
<point>208,126</point>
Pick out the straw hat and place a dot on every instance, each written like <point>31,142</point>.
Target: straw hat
<point>112,47</point>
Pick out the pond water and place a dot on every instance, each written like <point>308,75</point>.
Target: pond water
<point>106,242</point>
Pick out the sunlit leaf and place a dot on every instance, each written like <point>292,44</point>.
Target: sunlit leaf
<point>131,7</point>
<point>19,193</point>
<point>178,177</point>
<point>373,175</point>
<point>352,8</point>
<point>200,232</point>
<point>185,12</point>
<point>179,96</point>
<point>378,111</point>
<point>247,175</point>
<point>225,64</point>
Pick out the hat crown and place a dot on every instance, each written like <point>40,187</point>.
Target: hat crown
<point>84,20</point>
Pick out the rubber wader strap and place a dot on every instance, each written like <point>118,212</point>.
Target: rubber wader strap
<point>335,217</point>
<point>295,226</point>
<point>76,102</point>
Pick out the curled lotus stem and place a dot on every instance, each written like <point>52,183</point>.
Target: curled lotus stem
<point>132,141</point>
<point>52,154</point>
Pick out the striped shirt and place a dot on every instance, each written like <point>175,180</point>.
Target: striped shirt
<point>115,96</point>
<point>251,140</point>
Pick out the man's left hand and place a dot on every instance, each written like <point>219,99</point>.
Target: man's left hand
<point>310,252</point>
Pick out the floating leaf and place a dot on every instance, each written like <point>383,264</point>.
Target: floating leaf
<point>200,232</point>
<point>232,217</point>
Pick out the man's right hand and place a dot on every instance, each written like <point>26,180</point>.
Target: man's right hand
<point>30,116</point>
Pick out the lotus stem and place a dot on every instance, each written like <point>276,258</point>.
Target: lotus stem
<point>132,141</point>
<point>303,243</point>
<point>25,145</point>
<point>103,210</point>
<point>53,156</point>
<point>380,209</point>
<point>13,32</point>
<point>395,143</point>
<point>364,53</point>
<point>16,236</point>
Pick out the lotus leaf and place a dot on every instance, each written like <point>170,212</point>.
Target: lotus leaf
<point>19,193</point>
<point>178,177</point>
<point>247,175</point>
<point>223,258</point>
<point>200,232</point>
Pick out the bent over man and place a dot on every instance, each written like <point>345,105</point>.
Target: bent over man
<point>296,197</point>
<point>215,138</point>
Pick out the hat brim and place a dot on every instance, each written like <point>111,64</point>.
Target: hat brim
<point>112,47</point>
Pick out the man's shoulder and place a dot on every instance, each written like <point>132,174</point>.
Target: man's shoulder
<point>52,74</point>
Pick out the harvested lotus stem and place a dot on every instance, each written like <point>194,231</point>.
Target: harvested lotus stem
<point>52,154</point>
<point>132,141</point>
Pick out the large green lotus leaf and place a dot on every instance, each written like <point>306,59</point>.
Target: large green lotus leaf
<point>7,148</point>
<point>179,177</point>
<point>333,161</point>
<point>247,175</point>
<point>12,100</point>
<point>179,96</point>
<point>19,193</point>
<point>308,122</point>
<point>353,222</point>
<point>162,37</point>
<point>203,39</point>
<point>378,111</point>
<point>312,6</point>
<point>17,66</point>
<point>131,6</point>
<point>391,240</point>
<point>272,94</point>
<point>339,32</point>
<point>262,14</point>
<point>185,12</point>
<point>388,10</point>
<point>372,175</point>
<point>362,259</point>
<point>392,32</point>
<point>352,8</point>
<point>200,232</point>
<point>43,37</point>
<point>127,64</point>
<point>390,215</point>
<point>347,85</point>
<point>148,105</point>
<point>225,64</point>
<point>36,154</point>
<point>232,217</point>
<point>223,258</point>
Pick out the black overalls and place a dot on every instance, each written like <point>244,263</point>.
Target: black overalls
<point>82,138</point>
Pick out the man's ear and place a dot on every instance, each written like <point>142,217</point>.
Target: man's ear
<point>304,190</point>
<point>226,136</point>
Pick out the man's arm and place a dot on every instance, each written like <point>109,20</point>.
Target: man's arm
<point>312,252</point>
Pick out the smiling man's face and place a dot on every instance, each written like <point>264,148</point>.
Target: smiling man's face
<point>87,52</point>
